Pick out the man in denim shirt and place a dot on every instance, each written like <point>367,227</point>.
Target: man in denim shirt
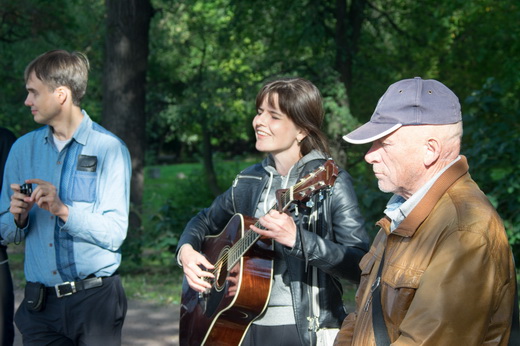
<point>76,217</point>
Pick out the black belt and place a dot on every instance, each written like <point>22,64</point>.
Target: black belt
<point>71,287</point>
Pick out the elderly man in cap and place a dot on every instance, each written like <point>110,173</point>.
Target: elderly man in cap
<point>440,270</point>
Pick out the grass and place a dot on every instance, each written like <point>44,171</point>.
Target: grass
<point>158,284</point>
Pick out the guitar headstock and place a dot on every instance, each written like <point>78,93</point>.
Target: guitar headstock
<point>323,177</point>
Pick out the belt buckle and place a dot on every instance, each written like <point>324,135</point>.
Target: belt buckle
<point>68,288</point>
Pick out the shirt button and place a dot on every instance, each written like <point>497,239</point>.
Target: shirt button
<point>54,272</point>
<point>50,244</point>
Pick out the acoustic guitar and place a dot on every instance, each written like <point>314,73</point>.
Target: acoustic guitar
<point>243,272</point>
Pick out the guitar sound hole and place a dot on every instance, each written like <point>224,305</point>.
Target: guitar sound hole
<point>221,274</point>
<point>211,299</point>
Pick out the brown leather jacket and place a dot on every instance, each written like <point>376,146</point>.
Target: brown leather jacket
<point>448,277</point>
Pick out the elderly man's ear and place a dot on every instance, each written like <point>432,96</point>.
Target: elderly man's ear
<point>432,151</point>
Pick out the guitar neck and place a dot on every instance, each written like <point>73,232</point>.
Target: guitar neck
<point>250,238</point>
<point>241,247</point>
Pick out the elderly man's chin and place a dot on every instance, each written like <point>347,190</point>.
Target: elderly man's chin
<point>385,187</point>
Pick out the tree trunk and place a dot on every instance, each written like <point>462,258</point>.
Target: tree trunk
<point>348,31</point>
<point>207,159</point>
<point>124,79</point>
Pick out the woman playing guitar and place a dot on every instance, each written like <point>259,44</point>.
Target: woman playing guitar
<point>285,289</point>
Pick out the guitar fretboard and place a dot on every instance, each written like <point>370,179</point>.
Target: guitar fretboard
<point>250,237</point>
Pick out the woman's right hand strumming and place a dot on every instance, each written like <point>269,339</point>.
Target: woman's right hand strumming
<point>195,267</point>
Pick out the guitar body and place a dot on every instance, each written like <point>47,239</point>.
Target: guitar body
<point>238,294</point>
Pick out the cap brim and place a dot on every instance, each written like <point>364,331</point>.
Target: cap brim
<point>370,132</point>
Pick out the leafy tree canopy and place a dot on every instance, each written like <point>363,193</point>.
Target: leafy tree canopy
<point>208,59</point>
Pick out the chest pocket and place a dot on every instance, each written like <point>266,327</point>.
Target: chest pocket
<point>85,178</point>
<point>366,264</point>
<point>400,284</point>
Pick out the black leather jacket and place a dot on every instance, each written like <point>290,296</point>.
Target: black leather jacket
<point>335,247</point>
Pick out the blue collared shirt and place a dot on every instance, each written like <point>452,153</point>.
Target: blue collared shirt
<point>92,175</point>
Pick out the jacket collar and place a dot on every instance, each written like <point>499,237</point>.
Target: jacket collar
<point>297,169</point>
<point>416,217</point>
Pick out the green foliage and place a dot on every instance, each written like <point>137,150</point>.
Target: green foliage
<point>190,195</point>
<point>202,92</point>
<point>208,59</point>
<point>371,200</point>
<point>30,28</point>
<point>173,195</point>
<point>492,141</point>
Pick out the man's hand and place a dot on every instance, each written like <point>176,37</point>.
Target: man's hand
<point>46,197</point>
<point>20,206</point>
<point>192,261</point>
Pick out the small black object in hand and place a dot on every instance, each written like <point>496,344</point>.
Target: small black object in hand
<point>26,189</point>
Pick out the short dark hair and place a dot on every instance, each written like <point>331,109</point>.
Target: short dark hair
<point>62,68</point>
<point>301,101</point>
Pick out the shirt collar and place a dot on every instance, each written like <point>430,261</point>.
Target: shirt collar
<point>399,208</point>
<point>81,133</point>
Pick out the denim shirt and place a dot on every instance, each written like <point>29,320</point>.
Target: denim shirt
<point>92,176</point>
